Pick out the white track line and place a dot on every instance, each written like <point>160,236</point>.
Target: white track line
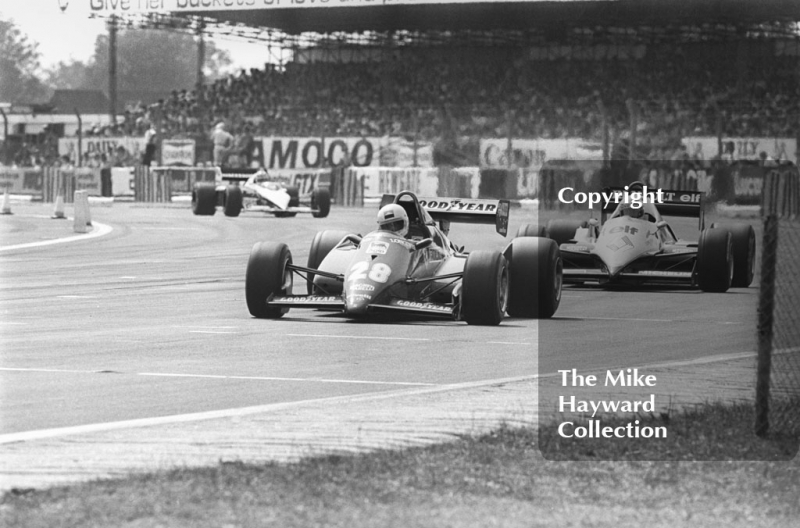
<point>244,411</point>
<point>221,376</point>
<point>98,231</point>
<point>362,337</point>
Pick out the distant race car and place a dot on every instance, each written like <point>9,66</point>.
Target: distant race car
<point>422,273</point>
<point>255,190</point>
<point>624,249</point>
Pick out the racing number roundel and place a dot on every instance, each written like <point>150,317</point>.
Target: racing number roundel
<point>380,272</point>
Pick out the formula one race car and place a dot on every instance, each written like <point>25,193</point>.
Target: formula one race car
<point>257,192</point>
<point>421,273</point>
<point>636,246</point>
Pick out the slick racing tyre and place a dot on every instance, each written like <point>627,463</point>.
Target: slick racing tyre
<point>531,230</point>
<point>321,202</point>
<point>743,247</point>
<point>714,260</point>
<point>233,200</point>
<point>535,277</point>
<point>323,243</point>
<point>484,290</point>
<point>267,275</point>
<point>204,199</point>
<point>563,230</point>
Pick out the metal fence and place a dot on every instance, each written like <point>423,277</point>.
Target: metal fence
<point>778,378</point>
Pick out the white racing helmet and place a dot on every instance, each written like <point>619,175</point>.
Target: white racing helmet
<point>393,218</point>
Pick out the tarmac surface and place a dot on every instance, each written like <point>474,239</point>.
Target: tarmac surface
<point>447,397</point>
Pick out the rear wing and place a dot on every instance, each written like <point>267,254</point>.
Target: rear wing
<point>235,175</point>
<point>675,203</point>
<point>464,210</point>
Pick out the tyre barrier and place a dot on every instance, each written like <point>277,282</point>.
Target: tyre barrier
<point>151,186</point>
<point>57,182</point>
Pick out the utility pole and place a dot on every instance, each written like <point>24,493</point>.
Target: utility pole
<point>201,62</point>
<point>112,69</point>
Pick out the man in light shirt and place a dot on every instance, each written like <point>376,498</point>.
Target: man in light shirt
<point>223,141</point>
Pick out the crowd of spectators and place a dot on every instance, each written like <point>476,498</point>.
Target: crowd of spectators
<point>666,94</point>
<point>484,94</point>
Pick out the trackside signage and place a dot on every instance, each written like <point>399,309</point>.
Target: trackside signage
<point>312,153</point>
<point>104,7</point>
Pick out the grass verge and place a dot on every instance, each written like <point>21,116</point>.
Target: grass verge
<point>499,479</point>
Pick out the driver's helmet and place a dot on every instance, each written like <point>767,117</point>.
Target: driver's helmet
<point>393,218</point>
<point>633,212</point>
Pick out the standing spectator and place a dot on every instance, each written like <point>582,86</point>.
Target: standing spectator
<point>223,141</point>
<point>244,146</point>
<point>150,140</point>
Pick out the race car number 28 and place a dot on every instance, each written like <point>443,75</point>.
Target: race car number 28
<point>379,272</point>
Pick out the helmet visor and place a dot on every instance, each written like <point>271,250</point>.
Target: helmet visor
<point>393,225</point>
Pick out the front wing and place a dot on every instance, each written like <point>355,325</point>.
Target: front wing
<point>336,303</point>
<point>661,269</point>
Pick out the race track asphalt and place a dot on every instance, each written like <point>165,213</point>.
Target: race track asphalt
<point>141,337</point>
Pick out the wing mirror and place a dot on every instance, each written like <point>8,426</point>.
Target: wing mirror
<point>594,222</point>
<point>661,224</point>
<point>422,244</point>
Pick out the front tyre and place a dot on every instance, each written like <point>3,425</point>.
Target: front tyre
<point>714,261</point>
<point>321,202</point>
<point>535,276</point>
<point>743,247</point>
<point>204,199</point>
<point>323,243</point>
<point>531,230</point>
<point>563,230</point>
<point>267,275</point>
<point>233,200</point>
<point>484,290</point>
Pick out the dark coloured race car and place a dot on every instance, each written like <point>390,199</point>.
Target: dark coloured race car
<point>636,246</point>
<point>255,190</point>
<point>414,269</point>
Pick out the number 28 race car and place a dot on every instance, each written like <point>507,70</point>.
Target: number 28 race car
<point>255,190</point>
<point>631,246</point>
<point>421,273</point>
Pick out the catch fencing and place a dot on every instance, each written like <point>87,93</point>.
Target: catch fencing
<point>778,376</point>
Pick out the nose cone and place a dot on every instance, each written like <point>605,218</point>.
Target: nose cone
<point>356,305</point>
<point>357,297</point>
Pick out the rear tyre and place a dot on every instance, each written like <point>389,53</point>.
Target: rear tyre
<point>531,230</point>
<point>484,289</point>
<point>321,202</point>
<point>323,243</point>
<point>267,275</point>
<point>233,200</point>
<point>563,230</point>
<point>535,277</point>
<point>204,199</point>
<point>714,260</point>
<point>743,247</point>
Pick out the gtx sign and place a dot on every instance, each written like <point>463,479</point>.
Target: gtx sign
<point>311,153</point>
